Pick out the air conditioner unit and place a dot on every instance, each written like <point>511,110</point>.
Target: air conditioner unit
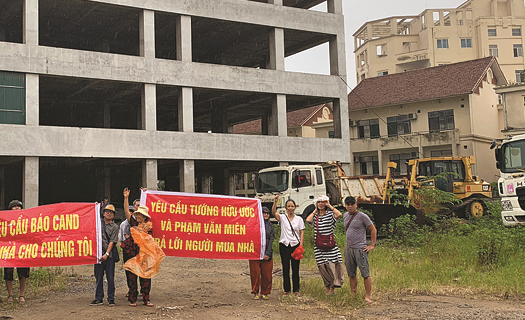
<point>353,123</point>
<point>412,116</point>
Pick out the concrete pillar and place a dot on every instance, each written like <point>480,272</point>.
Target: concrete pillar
<point>231,184</point>
<point>147,34</point>
<point>264,123</point>
<point>107,115</point>
<point>337,56</point>
<point>2,189</point>
<point>30,22</point>
<point>206,184</point>
<point>185,109</point>
<point>219,121</point>
<point>183,32</point>
<point>187,176</point>
<point>149,107</point>
<point>393,26</point>
<point>276,49</point>
<point>276,2</point>
<point>107,183</point>
<point>149,174</point>
<point>277,125</point>
<point>335,6</point>
<point>30,183</point>
<point>32,99</point>
<point>341,126</point>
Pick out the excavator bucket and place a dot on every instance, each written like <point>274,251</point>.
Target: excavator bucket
<point>382,213</point>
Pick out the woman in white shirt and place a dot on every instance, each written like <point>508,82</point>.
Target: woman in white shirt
<point>292,236</point>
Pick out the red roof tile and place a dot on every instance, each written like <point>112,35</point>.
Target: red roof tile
<point>422,84</point>
<point>293,119</point>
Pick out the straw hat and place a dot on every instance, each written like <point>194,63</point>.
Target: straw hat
<point>143,210</point>
<point>111,208</point>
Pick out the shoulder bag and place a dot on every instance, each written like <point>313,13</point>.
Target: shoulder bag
<point>323,242</point>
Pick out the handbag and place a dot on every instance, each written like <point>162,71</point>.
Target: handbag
<point>297,254</point>
<point>324,242</point>
<point>114,252</point>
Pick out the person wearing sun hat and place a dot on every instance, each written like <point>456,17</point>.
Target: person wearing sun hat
<point>140,235</point>
<point>261,270</point>
<point>107,262</point>
<point>329,260</point>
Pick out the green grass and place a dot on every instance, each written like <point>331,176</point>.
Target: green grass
<point>451,256</point>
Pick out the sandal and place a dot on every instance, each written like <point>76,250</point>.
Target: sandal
<point>133,304</point>
<point>255,297</point>
<point>22,299</point>
<point>10,299</point>
<point>265,297</point>
<point>148,304</point>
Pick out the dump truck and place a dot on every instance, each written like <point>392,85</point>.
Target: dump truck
<point>303,183</point>
<point>510,160</point>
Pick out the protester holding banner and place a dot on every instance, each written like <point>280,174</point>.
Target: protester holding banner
<point>131,249</point>
<point>23,273</point>
<point>327,254</point>
<point>292,236</point>
<point>107,261</point>
<point>261,270</point>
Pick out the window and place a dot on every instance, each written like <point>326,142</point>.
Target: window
<point>518,50</point>
<point>369,165</point>
<point>331,134</point>
<point>301,178</point>
<point>382,73</point>
<point>401,160</point>
<point>466,43</point>
<point>319,176</point>
<point>12,98</point>
<point>398,125</point>
<point>441,153</point>
<point>493,50</point>
<point>441,120</point>
<point>442,43</point>
<point>492,32</point>
<point>519,76</point>
<point>368,129</point>
<point>516,32</point>
<point>381,50</point>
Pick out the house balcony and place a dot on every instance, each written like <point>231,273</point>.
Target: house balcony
<point>419,140</point>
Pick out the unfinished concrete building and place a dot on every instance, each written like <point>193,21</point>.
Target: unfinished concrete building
<point>475,29</point>
<point>100,95</point>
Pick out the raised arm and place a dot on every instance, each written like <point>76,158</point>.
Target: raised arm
<point>126,204</point>
<point>274,209</point>
<point>310,217</point>
<point>337,213</point>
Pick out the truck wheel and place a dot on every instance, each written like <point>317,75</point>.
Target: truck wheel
<point>476,209</point>
<point>332,193</point>
<point>306,212</point>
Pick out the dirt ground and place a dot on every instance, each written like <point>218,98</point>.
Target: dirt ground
<point>217,289</point>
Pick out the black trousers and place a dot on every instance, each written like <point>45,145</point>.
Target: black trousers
<point>286,259</point>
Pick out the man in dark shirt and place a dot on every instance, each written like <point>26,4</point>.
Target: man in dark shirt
<point>107,263</point>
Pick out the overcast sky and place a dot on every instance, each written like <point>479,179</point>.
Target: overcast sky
<point>316,60</point>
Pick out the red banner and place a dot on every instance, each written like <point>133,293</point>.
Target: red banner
<point>205,226</point>
<point>61,234</point>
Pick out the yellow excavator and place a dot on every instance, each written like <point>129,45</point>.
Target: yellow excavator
<point>458,179</point>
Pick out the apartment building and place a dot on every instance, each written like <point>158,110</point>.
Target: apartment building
<point>475,29</point>
<point>449,110</point>
<point>98,95</point>
<point>512,100</point>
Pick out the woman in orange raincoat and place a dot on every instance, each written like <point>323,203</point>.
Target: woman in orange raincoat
<point>141,253</point>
